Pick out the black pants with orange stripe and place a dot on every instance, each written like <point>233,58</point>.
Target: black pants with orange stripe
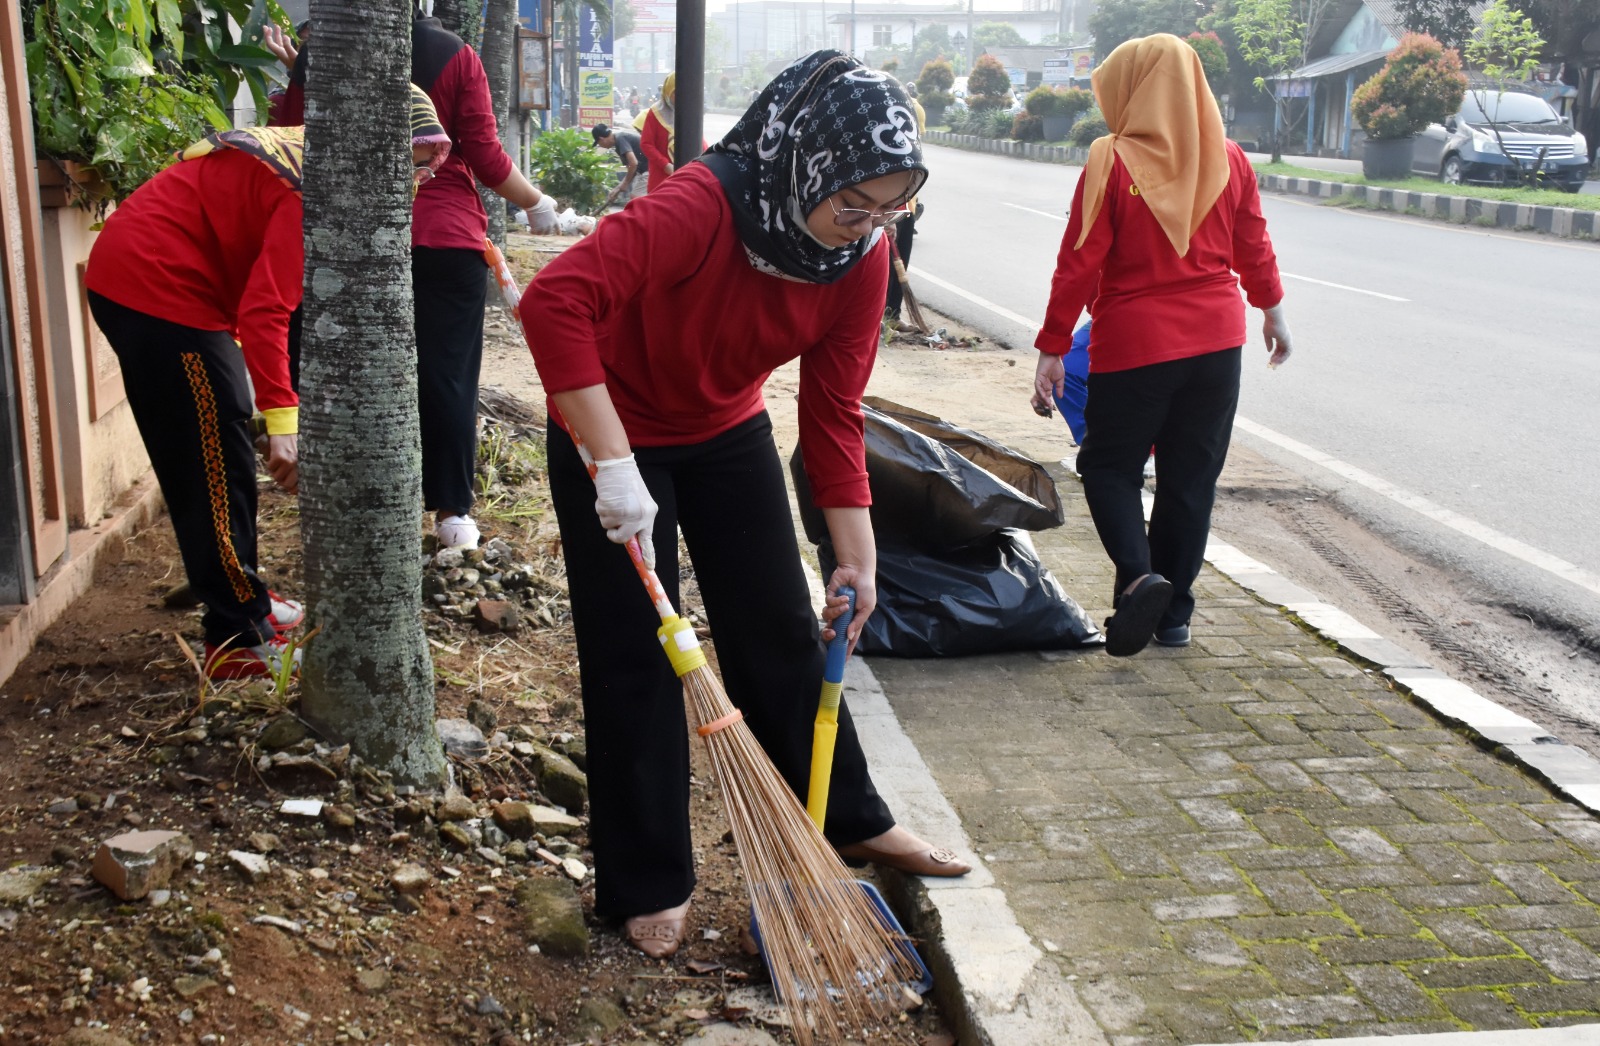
<point>190,396</point>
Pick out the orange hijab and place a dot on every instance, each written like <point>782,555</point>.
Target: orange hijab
<point>1165,125</point>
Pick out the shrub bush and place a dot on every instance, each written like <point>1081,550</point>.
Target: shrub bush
<point>935,101</point>
<point>568,166</point>
<point>1086,130</point>
<point>1041,101</point>
<point>988,86</point>
<point>1073,102</point>
<point>996,123</point>
<point>936,75</point>
<point>1213,57</point>
<point>1027,127</point>
<point>1421,83</point>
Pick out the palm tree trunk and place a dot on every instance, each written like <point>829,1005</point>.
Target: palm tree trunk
<point>367,677</point>
<point>499,35</point>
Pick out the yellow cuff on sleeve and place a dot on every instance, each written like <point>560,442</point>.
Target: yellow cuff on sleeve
<point>282,421</point>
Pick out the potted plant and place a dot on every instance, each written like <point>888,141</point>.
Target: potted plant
<point>989,85</point>
<point>1059,107</point>
<point>1421,83</point>
<point>119,88</point>
<point>933,88</point>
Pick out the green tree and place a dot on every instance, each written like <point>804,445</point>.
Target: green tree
<point>997,34</point>
<point>1506,47</point>
<point>932,42</point>
<point>1272,36</point>
<point>1447,21</point>
<point>622,20</point>
<point>367,678</point>
<point>1117,21</point>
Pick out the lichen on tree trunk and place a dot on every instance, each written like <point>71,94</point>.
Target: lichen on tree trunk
<point>367,677</point>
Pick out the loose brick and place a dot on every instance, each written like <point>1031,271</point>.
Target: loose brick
<point>132,864</point>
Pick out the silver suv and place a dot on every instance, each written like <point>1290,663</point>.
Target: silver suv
<point>1465,147</point>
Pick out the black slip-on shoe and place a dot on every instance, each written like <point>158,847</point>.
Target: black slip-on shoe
<point>1128,631</point>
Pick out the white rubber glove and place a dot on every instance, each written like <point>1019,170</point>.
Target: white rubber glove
<point>542,215</point>
<point>1276,332</point>
<point>624,504</point>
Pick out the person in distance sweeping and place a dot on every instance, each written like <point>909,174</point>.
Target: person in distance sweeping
<point>1164,216</point>
<point>654,336</point>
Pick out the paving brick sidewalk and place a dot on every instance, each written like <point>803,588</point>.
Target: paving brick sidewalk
<point>1254,838</point>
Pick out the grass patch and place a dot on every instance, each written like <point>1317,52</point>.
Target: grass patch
<point>1532,197</point>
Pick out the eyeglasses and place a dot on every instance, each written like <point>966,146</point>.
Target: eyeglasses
<point>849,217</point>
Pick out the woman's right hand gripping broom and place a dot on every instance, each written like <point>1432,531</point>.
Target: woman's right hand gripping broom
<point>854,549</point>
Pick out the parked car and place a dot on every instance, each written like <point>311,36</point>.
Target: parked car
<point>1464,148</point>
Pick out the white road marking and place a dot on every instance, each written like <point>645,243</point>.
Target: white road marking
<point>1569,572</point>
<point>998,310</point>
<point>1341,287</point>
<point>1030,210</point>
<point>1551,564</point>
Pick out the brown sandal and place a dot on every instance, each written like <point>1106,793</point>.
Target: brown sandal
<point>657,937</point>
<point>936,860</point>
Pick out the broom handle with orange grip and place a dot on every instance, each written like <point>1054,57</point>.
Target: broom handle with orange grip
<point>513,297</point>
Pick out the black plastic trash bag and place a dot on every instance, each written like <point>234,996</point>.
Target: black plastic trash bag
<point>937,486</point>
<point>991,596</point>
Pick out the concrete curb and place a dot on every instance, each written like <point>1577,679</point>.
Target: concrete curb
<point>1566,222</point>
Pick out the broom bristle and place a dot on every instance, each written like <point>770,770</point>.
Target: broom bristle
<point>837,965</point>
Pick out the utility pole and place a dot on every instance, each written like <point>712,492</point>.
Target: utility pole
<point>690,101</point>
<point>969,40</point>
<point>853,49</point>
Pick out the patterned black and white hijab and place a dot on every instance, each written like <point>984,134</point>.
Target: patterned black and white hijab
<point>822,125</point>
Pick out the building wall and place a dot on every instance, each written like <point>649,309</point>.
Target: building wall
<point>102,454</point>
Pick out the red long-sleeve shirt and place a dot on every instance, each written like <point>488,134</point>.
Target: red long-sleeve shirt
<point>214,244</point>
<point>1149,305</point>
<point>448,212</point>
<point>662,306</point>
<point>655,139</point>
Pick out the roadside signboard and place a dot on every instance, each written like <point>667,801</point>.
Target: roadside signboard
<point>595,99</point>
<point>1057,71</point>
<point>655,16</point>
<point>533,70</point>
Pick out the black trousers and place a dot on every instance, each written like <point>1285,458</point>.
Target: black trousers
<point>190,396</point>
<point>450,288</point>
<point>1184,408</point>
<point>728,496</point>
<point>904,232</point>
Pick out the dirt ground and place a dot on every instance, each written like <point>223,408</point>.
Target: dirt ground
<point>105,731</point>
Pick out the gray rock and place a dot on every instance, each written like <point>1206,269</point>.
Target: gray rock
<point>462,739</point>
<point>723,1034</point>
<point>453,833</point>
<point>18,885</point>
<point>189,987</point>
<point>282,732</point>
<point>375,982</point>
<point>63,806</point>
<point>552,916</point>
<point>481,715</point>
<point>449,559</point>
<point>134,863</point>
<point>91,1037</point>
<point>254,867</point>
<point>489,1006</point>
<point>598,1018</point>
<point>514,818</point>
<point>576,750</point>
<point>562,782</point>
<point>457,807</point>
<point>410,879</point>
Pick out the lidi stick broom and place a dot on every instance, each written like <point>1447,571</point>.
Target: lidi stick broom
<point>838,965</point>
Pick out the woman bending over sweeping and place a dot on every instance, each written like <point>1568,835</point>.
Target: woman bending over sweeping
<point>653,337</point>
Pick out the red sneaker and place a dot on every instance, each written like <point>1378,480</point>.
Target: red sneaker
<point>248,662</point>
<point>286,614</point>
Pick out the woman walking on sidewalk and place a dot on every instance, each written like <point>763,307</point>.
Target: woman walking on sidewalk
<point>654,336</point>
<point>1165,214</point>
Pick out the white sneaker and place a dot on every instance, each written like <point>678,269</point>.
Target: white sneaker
<point>1150,467</point>
<point>457,532</point>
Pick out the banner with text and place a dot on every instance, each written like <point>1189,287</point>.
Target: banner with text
<point>595,99</point>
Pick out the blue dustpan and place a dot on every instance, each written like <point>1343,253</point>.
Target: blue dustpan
<point>902,945</point>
